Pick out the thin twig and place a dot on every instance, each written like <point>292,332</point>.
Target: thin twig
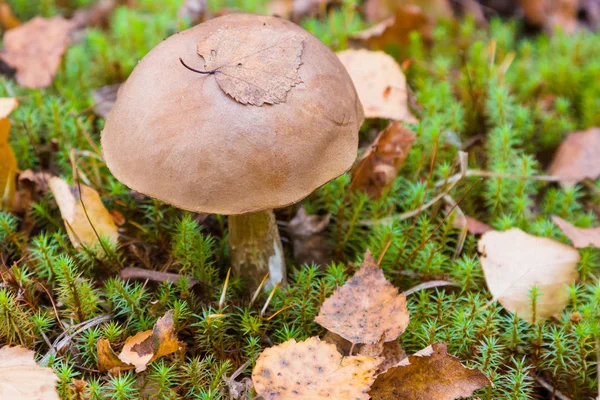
<point>158,276</point>
<point>428,285</point>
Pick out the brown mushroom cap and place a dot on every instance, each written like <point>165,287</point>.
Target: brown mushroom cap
<point>176,136</point>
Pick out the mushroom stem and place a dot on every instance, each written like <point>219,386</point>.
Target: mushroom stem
<point>256,248</point>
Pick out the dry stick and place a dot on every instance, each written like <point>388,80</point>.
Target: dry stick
<point>158,276</point>
<point>555,392</point>
<point>428,285</point>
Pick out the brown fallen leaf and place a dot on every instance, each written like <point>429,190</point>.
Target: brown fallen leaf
<point>577,157</point>
<point>379,166</point>
<point>429,374</point>
<point>30,187</point>
<point>8,161</point>
<point>82,231</point>
<point>193,10</point>
<point>379,10</point>
<point>380,84</point>
<point>581,237</point>
<point>552,14</point>
<point>513,262</point>
<point>252,65</point>
<point>308,239</point>
<point>22,378</point>
<point>366,308</point>
<point>396,29</point>
<point>145,347</point>
<point>7,18</point>
<point>312,370</point>
<point>104,99</point>
<point>35,50</point>
<point>108,359</point>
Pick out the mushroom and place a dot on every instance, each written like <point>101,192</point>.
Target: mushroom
<point>238,115</point>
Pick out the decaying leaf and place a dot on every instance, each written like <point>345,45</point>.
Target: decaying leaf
<point>30,187</point>
<point>379,166</point>
<point>514,262</point>
<point>581,237</point>
<point>396,29</point>
<point>7,18</point>
<point>429,374</point>
<point>108,359</point>
<point>380,84</point>
<point>193,10</point>
<point>577,157</point>
<point>71,206</point>
<point>312,370</point>
<point>379,10</point>
<point>366,308</point>
<point>35,50</point>
<point>104,99</point>
<point>307,234</point>
<point>22,378</point>
<point>252,65</point>
<point>145,347</point>
<point>8,161</point>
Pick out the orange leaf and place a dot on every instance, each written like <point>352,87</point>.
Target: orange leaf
<point>108,360</point>
<point>366,308</point>
<point>580,237</point>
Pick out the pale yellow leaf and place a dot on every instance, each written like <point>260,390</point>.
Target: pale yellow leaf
<point>22,378</point>
<point>514,262</point>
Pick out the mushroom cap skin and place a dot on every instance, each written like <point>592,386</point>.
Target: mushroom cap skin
<point>176,136</point>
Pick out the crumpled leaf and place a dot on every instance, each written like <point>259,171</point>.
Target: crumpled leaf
<point>366,308</point>
<point>252,65</point>
<point>577,157</point>
<point>104,99</point>
<point>581,237</point>
<point>30,187</point>
<point>429,374</point>
<point>514,262</point>
<point>380,84</point>
<point>108,359</point>
<point>78,226</point>
<point>308,239</point>
<point>312,370</point>
<point>7,18</point>
<point>8,161</point>
<point>396,29</point>
<point>35,50</point>
<point>379,166</point>
<point>145,347</point>
<point>22,378</point>
<point>379,10</point>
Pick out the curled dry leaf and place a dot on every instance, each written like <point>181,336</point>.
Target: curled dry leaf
<point>30,187</point>
<point>145,347</point>
<point>380,165</point>
<point>429,374</point>
<point>252,65</point>
<point>308,239</point>
<point>577,157</point>
<point>35,50</point>
<point>108,359</point>
<point>396,29</point>
<point>514,262</point>
<point>8,161</point>
<point>104,99</point>
<point>366,308</point>
<point>312,370</point>
<point>71,205</point>
<point>581,237</point>
<point>22,378</point>
<point>380,84</point>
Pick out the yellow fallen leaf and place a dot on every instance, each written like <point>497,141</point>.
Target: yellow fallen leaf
<point>108,359</point>
<point>22,378</point>
<point>514,262</point>
<point>78,226</point>
<point>380,84</point>
<point>145,347</point>
<point>8,161</point>
<point>312,370</point>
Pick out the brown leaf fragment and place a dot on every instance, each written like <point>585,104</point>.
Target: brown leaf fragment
<point>581,237</point>
<point>552,14</point>
<point>379,10</point>
<point>308,239</point>
<point>312,370</point>
<point>194,10</point>
<point>22,378</point>
<point>252,65</point>
<point>35,50</point>
<point>379,166</point>
<point>380,84</point>
<point>366,308</point>
<point>81,230</point>
<point>7,18</point>
<point>30,187</point>
<point>396,29</point>
<point>104,99</point>
<point>108,359</point>
<point>98,15</point>
<point>513,262</point>
<point>145,347</point>
<point>430,374</point>
<point>577,157</point>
